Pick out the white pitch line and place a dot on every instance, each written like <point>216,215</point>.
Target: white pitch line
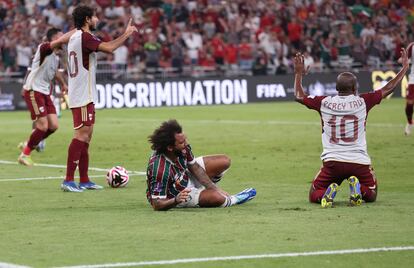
<point>254,122</point>
<point>11,265</point>
<point>244,257</point>
<point>64,166</point>
<point>58,177</point>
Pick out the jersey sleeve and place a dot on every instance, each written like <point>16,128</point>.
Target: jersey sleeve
<point>45,50</point>
<point>157,183</point>
<point>313,102</point>
<point>189,155</point>
<point>90,42</point>
<point>372,98</point>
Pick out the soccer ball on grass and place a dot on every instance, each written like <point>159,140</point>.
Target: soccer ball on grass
<point>117,177</point>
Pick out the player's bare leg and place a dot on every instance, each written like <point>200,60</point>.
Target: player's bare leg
<point>211,198</point>
<point>216,166</point>
<point>409,114</point>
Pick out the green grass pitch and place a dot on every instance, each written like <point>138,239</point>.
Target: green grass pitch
<point>274,147</point>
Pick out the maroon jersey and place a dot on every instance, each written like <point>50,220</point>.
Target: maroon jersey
<point>343,125</point>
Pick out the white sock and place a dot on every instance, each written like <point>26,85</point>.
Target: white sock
<point>230,201</point>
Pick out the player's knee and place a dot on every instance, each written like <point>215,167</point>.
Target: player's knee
<point>226,162</point>
<point>53,127</point>
<point>42,124</point>
<point>211,198</point>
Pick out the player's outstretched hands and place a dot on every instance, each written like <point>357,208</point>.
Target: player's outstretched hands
<point>299,64</point>
<point>404,58</point>
<point>130,29</point>
<point>182,196</point>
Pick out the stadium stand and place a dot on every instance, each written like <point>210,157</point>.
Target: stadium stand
<point>211,37</point>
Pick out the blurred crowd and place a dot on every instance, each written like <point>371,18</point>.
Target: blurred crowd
<point>255,36</point>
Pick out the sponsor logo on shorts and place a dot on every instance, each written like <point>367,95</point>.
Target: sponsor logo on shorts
<point>372,187</point>
<point>41,109</point>
<point>90,117</point>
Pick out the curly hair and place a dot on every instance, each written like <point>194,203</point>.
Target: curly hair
<point>80,13</point>
<point>164,136</point>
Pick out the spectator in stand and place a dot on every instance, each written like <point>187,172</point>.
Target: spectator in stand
<point>24,55</point>
<point>230,56</point>
<point>121,60</point>
<point>177,52</point>
<point>299,20</point>
<point>218,46</point>
<point>152,53</point>
<point>194,43</point>
<point>294,32</point>
<point>245,55</point>
<point>260,64</point>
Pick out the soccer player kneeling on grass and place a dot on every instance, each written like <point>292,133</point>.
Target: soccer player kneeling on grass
<point>344,117</point>
<point>176,179</point>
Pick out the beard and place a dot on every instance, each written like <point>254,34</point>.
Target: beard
<point>178,153</point>
<point>92,27</point>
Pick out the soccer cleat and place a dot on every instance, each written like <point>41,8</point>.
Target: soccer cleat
<point>21,145</point>
<point>328,197</point>
<point>355,197</point>
<point>408,129</point>
<point>70,186</point>
<point>41,146</point>
<point>245,195</point>
<point>25,160</point>
<point>89,186</point>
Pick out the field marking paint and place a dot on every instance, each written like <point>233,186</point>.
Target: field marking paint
<point>11,265</point>
<point>254,122</point>
<point>59,177</point>
<point>5,162</point>
<point>244,257</point>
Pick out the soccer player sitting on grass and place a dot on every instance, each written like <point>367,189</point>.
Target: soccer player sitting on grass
<point>344,117</point>
<point>176,179</point>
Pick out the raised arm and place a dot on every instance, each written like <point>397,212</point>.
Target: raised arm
<point>299,67</point>
<point>389,87</point>
<point>64,39</point>
<point>109,47</point>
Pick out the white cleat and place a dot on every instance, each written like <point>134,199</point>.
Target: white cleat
<point>408,129</point>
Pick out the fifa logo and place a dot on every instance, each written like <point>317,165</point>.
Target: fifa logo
<point>380,78</point>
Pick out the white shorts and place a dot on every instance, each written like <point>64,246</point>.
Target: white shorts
<point>196,189</point>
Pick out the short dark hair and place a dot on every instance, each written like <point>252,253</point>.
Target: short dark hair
<point>164,136</point>
<point>346,82</point>
<point>51,32</point>
<point>80,13</point>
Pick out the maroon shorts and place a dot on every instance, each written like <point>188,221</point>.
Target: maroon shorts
<point>39,104</point>
<point>333,171</point>
<point>410,92</point>
<point>83,116</point>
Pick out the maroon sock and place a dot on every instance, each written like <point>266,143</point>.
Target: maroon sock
<point>36,136</point>
<point>368,195</point>
<point>48,133</point>
<point>316,195</point>
<point>84,163</point>
<point>409,113</point>
<point>74,154</point>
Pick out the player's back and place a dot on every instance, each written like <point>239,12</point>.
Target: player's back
<point>343,136</point>
<point>43,69</point>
